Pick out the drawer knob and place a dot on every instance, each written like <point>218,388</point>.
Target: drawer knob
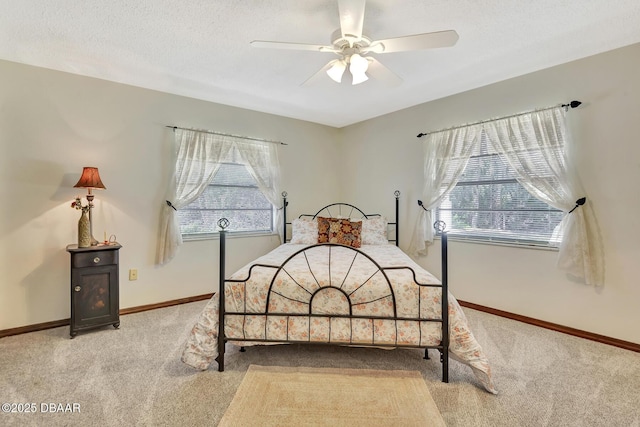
<point>77,288</point>
<point>96,260</point>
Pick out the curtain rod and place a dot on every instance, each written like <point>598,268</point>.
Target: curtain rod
<point>228,134</point>
<point>572,104</point>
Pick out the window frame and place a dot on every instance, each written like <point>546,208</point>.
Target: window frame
<point>233,234</point>
<point>484,150</point>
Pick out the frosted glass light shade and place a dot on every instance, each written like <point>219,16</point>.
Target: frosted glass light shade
<point>358,67</point>
<point>337,70</point>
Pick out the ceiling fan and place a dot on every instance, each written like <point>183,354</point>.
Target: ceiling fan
<point>351,46</point>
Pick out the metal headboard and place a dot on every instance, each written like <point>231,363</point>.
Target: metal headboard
<point>340,207</point>
<point>348,210</point>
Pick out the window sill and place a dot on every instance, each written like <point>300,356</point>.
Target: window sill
<point>230,235</point>
<point>462,239</point>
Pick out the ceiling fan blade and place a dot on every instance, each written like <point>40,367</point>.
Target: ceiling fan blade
<point>292,46</point>
<point>351,17</point>
<point>414,42</point>
<point>321,74</point>
<point>382,73</point>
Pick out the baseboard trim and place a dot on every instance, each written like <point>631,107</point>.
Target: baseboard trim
<point>147,307</point>
<point>130,310</point>
<point>627,345</point>
<point>34,328</point>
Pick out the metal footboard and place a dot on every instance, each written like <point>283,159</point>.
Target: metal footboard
<point>268,313</point>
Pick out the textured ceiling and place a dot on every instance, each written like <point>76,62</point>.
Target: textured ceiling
<point>200,48</point>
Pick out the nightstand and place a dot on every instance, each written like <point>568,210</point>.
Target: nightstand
<point>95,288</point>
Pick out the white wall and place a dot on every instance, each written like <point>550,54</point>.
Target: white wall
<point>52,124</point>
<point>526,281</point>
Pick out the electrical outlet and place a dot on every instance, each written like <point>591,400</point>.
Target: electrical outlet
<point>133,274</point>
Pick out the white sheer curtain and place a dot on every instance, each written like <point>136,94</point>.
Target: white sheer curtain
<point>535,145</point>
<point>261,160</point>
<point>198,157</point>
<point>446,154</point>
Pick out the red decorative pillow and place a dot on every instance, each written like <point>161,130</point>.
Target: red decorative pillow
<point>340,230</point>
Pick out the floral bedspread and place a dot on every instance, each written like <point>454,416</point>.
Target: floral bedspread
<point>335,280</point>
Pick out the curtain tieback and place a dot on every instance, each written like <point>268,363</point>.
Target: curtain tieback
<point>579,202</point>
<point>174,208</point>
<point>422,206</point>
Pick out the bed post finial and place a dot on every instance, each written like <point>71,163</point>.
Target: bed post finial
<point>223,223</point>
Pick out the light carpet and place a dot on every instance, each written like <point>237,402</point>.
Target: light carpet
<point>133,376</point>
<point>281,396</point>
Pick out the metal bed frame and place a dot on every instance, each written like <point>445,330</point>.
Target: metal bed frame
<point>443,347</point>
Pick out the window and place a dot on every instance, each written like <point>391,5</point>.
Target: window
<point>489,204</point>
<point>232,194</point>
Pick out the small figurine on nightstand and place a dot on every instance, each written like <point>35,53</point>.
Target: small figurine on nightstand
<point>111,241</point>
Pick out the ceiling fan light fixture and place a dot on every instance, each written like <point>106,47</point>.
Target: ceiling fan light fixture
<point>337,70</point>
<point>358,64</point>
<point>358,67</point>
<point>359,78</point>
<point>349,44</point>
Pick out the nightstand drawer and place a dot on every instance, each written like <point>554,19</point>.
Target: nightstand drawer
<point>95,259</point>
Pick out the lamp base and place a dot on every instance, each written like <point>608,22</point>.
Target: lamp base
<point>90,196</point>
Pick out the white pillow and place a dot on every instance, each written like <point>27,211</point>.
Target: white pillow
<point>304,231</point>
<point>374,231</point>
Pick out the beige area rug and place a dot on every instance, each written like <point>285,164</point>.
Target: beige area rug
<point>286,396</point>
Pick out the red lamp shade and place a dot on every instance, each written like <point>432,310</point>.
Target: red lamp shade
<point>90,179</point>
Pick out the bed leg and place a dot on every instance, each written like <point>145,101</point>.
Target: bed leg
<point>220,360</point>
<point>426,354</point>
<point>242,349</point>
<point>444,359</point>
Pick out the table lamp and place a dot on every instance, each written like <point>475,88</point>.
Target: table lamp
<point>90,179</point>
